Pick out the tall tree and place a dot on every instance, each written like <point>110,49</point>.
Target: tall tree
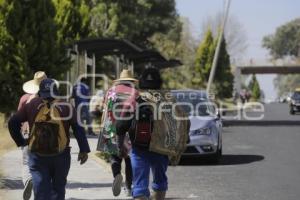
<point>133,20</point>
<point>223,80</point>
<point>255,88</point>
<point>203,60</point>
<point>32,24</point>
<point>72,18</point>
<point>224,77</point>
<point>12,71</point>
<point>29,44</point>
<point>285,42</point>
<point>177,43</point>
<point>234,33</point>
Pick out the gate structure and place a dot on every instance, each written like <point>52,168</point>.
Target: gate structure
<point>86,53</point>
<point>244,70</point>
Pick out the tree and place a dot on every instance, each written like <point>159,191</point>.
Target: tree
<point>223,80</point>
<point>255,88</point>
<point>203,60</point>
<point>224,77</point>
<point>134,20</point>
<point>72,19</point>
<point>12,72</point>
<point>137,21</point>
<point>285,41</point>
<point>28,44</point>
<point>177,43</point>
<point>234,33</point>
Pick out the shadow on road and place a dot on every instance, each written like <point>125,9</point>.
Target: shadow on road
<point>171,198</point>
<point>226,159</point>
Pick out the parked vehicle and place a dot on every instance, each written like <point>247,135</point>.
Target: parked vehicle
<point>295,102</point>
<point>206,125</point>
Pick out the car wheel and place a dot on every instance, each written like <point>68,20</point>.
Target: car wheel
<point>215,158</point>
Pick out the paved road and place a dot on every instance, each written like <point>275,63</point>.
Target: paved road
<point>258,164</point>
<point>90,181</point>
<point>272,111</point>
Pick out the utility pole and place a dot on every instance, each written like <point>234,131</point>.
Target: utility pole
<point>217,52</point>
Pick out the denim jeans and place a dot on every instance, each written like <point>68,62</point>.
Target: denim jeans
<point>142,161</point>
<point>26,176</point>
<point>86,118</point>
<point>49,175</point>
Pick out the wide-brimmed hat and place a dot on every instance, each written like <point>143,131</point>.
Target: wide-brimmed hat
<point>32,86</point>
<point>126,75</point>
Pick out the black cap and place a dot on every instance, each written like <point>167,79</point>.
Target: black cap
<point>48,88</point>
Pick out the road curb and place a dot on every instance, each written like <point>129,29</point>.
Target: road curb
<point>260,123</point>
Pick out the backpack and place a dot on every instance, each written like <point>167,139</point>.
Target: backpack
<point>48,136</point>
<point>165,134</point>
<point>142,126</point>
<point>107,137</point>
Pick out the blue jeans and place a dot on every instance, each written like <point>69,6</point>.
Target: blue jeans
<point>142,161</point>
<point>85,116</point>
<point>26,176</point>
<point>49,175</point>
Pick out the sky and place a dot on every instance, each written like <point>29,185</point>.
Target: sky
<point>258,18</point>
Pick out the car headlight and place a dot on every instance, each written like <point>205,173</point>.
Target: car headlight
<point>202,131</point>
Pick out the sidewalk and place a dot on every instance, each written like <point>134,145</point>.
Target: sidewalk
<point>93,180</point>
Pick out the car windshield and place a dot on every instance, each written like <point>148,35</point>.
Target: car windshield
<point>195,105</point>
<point>296,95</point>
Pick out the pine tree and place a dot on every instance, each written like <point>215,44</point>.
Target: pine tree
<point>223,80</point>
<point>72,19</point>
<point>223,77</point>
<point>32,24</point>
<point>203,61</point>
<point>28,44</point>
<point>255,88</point>
<point>12,70</point>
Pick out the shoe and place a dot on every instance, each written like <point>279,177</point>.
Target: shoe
<point>117,184</point>
<point>92,134</point>
<point>128,192</point>
<point>27,190</point>
<point>158,195</point>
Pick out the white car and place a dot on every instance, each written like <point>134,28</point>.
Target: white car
<point>206,125</point>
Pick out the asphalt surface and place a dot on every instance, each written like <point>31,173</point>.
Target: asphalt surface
<point>268,112</point>
<point>259,163</point>
<point>91,181</point>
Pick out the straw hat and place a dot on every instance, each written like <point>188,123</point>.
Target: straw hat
<point>126,75</point>
<point>32,86</point>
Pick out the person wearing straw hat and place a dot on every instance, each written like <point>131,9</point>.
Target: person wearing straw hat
<point>49,153</point>
<point>31,89</point>
<point>139,128</point>
<point>125,86</point>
